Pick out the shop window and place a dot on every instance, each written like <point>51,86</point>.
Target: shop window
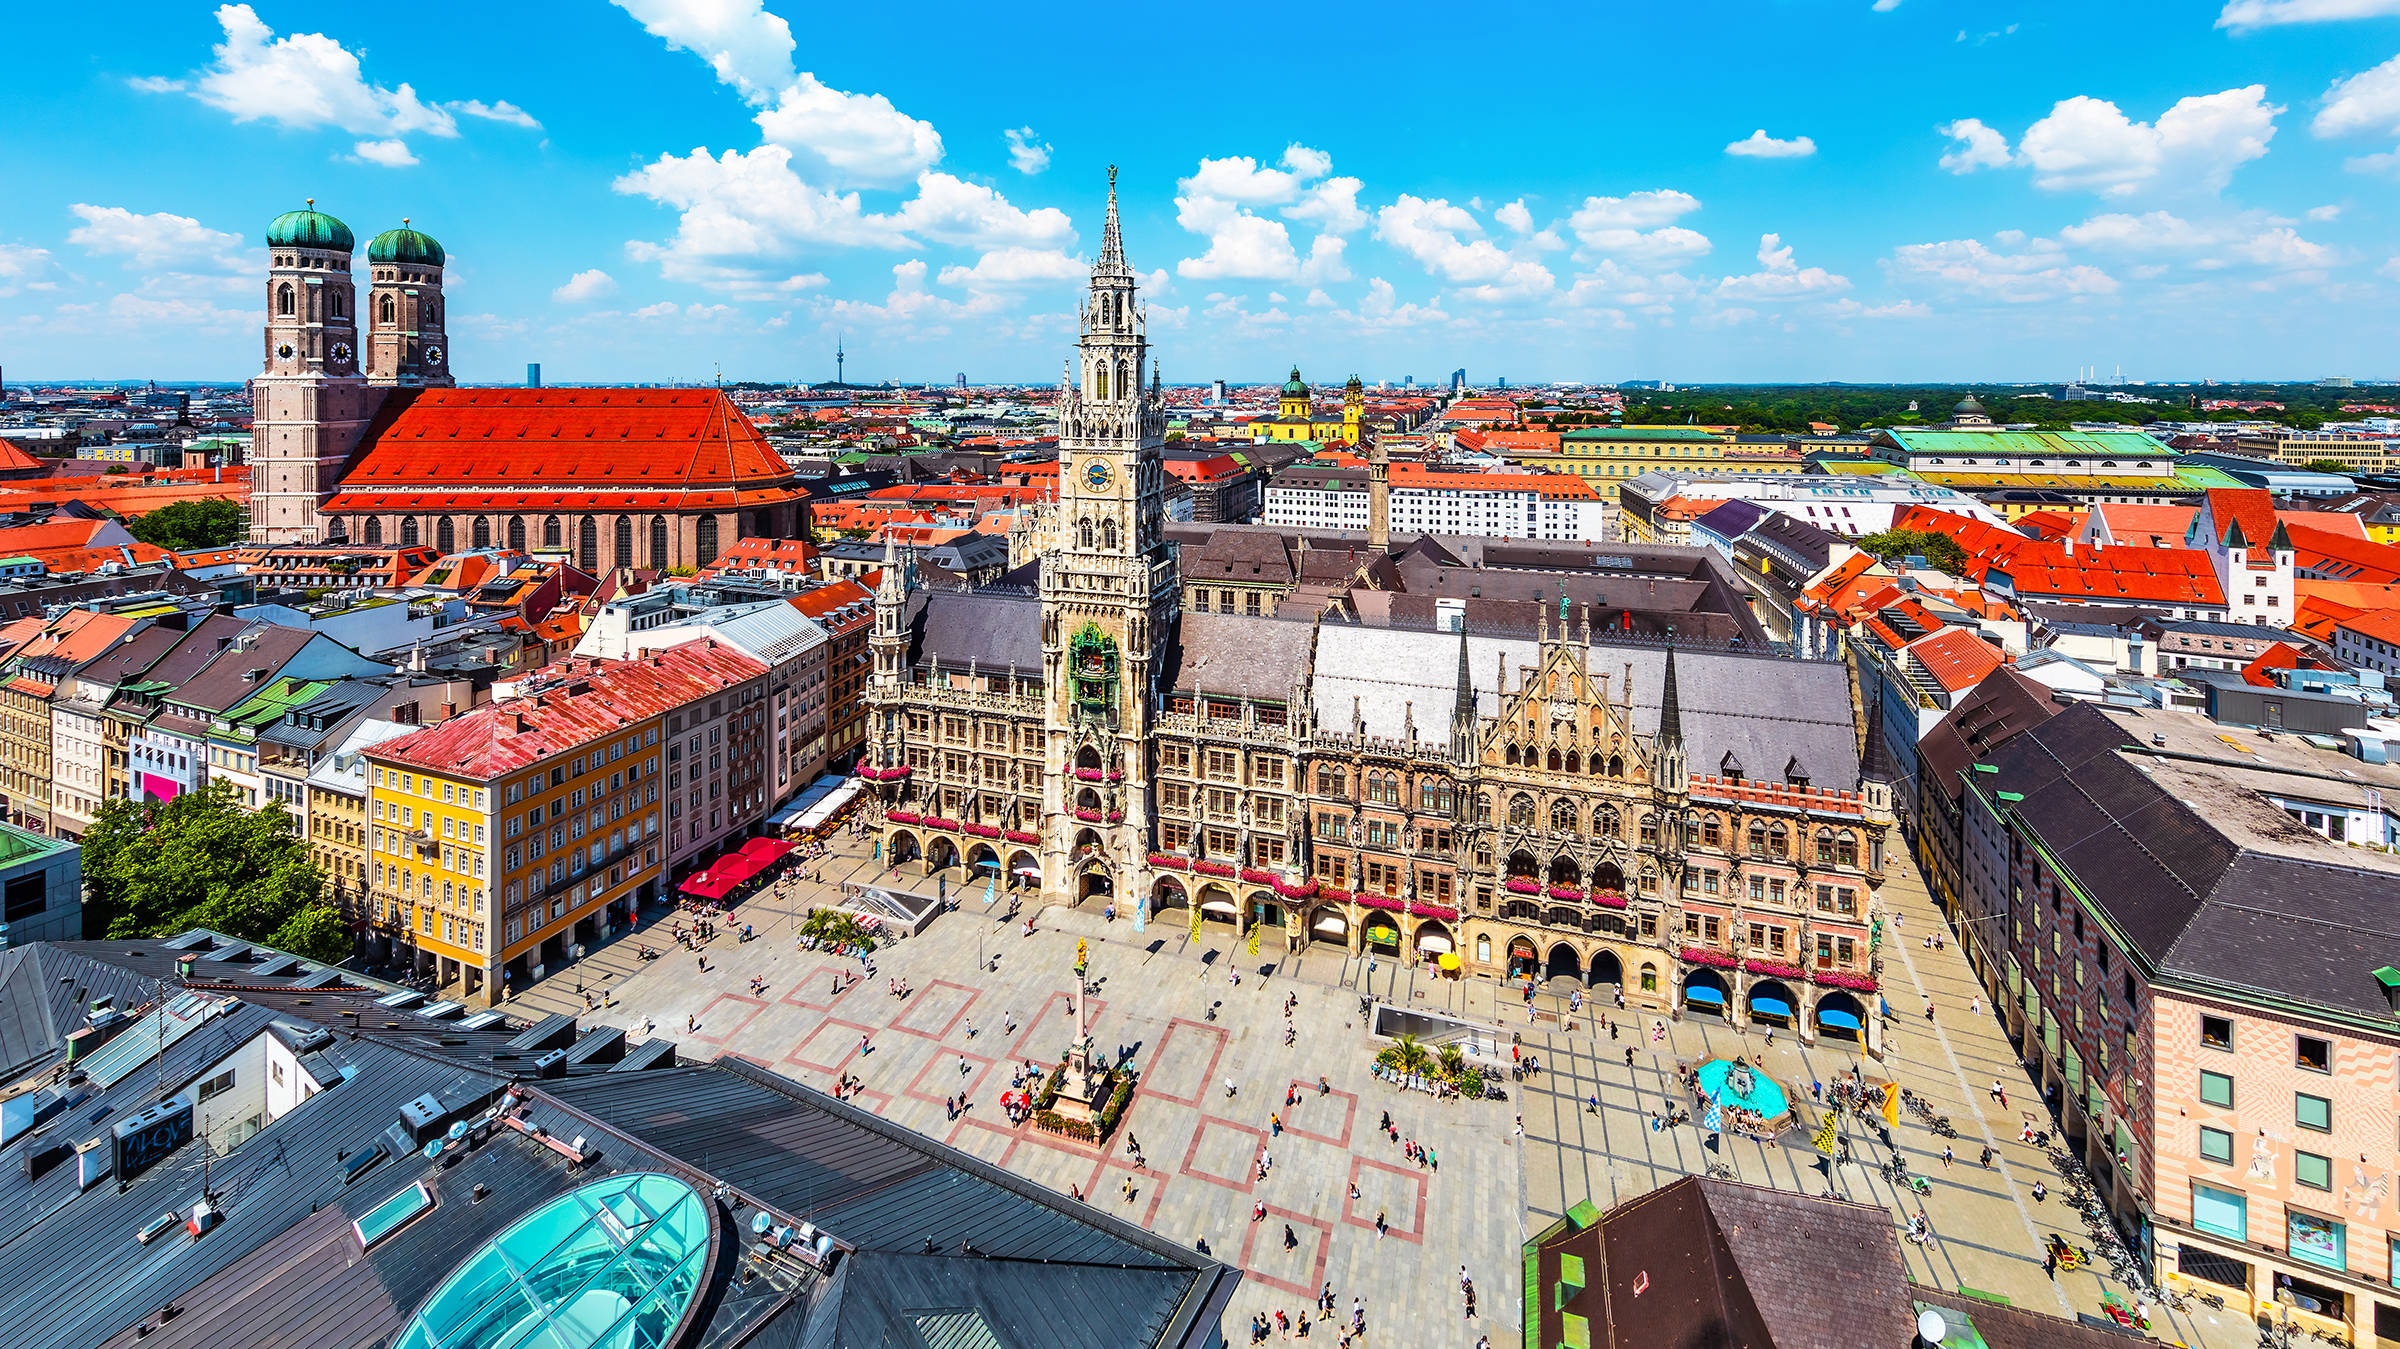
<point>2223,1213</point>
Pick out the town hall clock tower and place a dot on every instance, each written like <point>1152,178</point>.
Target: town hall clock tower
<point>1108,593</point>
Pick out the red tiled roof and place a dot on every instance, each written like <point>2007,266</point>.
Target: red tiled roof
<point>2381,624</point>
<point>513,733</point>
<point>1956,658</point>
<point>2277,656</point>
<point>2150,575</point>
<point>2138,525</point>
<point>2338,557</point>
<point>645,449</point>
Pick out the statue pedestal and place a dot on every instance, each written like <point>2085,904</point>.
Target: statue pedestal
<point>1085,1089</point>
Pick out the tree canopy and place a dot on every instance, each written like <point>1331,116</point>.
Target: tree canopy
<point>1939,550</point>
<point>152,869</point>
<point>204,522</point>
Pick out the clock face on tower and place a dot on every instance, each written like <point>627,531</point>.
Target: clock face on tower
<point>433,355</point>
<point>284,350</point>
<point>1096,474</point>
<point>340,354</point>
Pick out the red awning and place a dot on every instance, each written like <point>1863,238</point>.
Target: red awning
<point>710,884</point>
<point>766,851</point>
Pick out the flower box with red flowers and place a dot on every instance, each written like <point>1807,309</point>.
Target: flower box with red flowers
<point>1088,816</point>
<point>1380,901</point>
<point>1301,891</point>
<point>1442,911</point>
<point>902,816</point>
<point>1087,775</point>
<point>1021,836</point>
<point>1837,979</point>
<point>1338,896</point>
<point>1701,955</point>
<point>1773,969</point>
<point>1170,861</point>
<point>1609,899</point>
<point>937,822</point>
<point>1218,869</point>
<point>1521,886</point>
<point>982,830</point>
<point>1257,877</point>
<point>1568,892</point>
<point>1116,817</point>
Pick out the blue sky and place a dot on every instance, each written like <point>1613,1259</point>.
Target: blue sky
<point>1777,190</point>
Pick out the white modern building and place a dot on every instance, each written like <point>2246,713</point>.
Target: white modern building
<point>1508,505</point>
<point>1847,504</point>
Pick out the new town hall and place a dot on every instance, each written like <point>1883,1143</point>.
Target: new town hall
<point>1541,799</point>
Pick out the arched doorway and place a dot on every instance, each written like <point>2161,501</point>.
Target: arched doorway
<point>1265,909</point>
<point>1607,970</point>
<point>1564,964</point>
<point>1840,1017</point>
<point>1168,894</point>
<point>1095,883</point>
<point>941,854</point>
<point>1217,906</point>
<point>1524,958</point>
<point>1769,1001</point>
<point>1381,933</point>
<point>1433,939</point>
<point>983,859</point>
<point>1023,869</point>
<point>1326,922</point>
<point>1608,877</point>
<point>904,847</point>
<point>1704,992</point>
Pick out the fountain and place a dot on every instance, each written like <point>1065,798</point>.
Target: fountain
<point>1735,1085</point>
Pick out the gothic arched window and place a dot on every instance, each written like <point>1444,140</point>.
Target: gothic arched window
<point>1083,533</point>
<point>706,543</point>
<point>624,557</point>
<point>587,544</point>
<point>445,536</point>
<point>550,532</point>
<point>1520,811</point>
<point>333,303</point>
<point>1605,825</point>
<point>385,311</point>
<point>482,532</point>
<point>433,314</point>
<point>1616,766</point>
<point>516,532</point>
<point>1108,535</point>
<point>1562,816</point>
<point>408,531</point>
<point>374,531</point>
<point>658,541</point>
<point>1124,380</point>
<point>283,299</point>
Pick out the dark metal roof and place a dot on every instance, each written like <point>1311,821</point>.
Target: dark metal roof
<point>994,631</point>
<point>1226,656</point>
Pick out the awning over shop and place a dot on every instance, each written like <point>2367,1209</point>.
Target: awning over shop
<point>766,851</point>
<point>819,802</point>
<point>1770,1006</point>
<point>1836,1018</point>
<point>1219,906</point>
<point>721,877</point>
<point>1703,993</point>
<point>1332,924</point>
<point>1434,944</point>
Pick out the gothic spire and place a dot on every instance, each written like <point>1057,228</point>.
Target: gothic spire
<point>1112,247</point>
<point>1670,707</point>
<point>1462,716</point>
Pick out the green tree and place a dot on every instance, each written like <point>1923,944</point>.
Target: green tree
<point>152,869</point>
<point>2326,466</point>
<point>205,522</point>
<point>1939,550</point>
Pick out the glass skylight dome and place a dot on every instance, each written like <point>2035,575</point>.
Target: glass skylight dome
<point>615,1264</point>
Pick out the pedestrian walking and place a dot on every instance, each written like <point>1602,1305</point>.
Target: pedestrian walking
<point>1945,1156</point>
<point>1229,1089</point>
<point>1291,1239</point>
<point>1629,1056</point>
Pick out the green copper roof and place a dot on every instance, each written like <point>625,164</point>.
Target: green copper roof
<point>2128,444</point>
<point>405,245</point>
<point>1295,386</point>
<point>309,228</point>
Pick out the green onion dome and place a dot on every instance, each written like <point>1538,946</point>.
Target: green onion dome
<point>405,245</point>
<point>310,228</point>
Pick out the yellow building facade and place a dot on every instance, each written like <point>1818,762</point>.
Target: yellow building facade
<point>1296,415</point>
<point>1607,455</point>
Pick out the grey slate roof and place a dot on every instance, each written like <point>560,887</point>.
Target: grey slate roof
<point>1230,656</point>
<point>994,630</point>
<point>1763,710</point>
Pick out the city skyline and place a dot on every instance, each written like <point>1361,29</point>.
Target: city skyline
<point>2009,200</point>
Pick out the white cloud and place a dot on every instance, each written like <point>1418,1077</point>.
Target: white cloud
<point>2324,214</point>
<point>2245,15</point>
<point>24,267</point>
<point>749,48</point>
<point>1979,146</point>
<point>1015,266</point>
<point>392,154</point>
<point>1380,307</point>
<point>2252,239</point>
<point>171,313</point>
<point>1885,6</point>
<point>587,285</point>
<point>663,309</point>
<point>746,219</point>
<point>1634,211</point>
<point>1760,145</point>
<point>911,307</point>
<point>1967,269</point>
<point>308,80</point>
<point>1325,262</point>
<point>1515,216</point>
<point>1638,228</point>
<point>860,137</point>
<point>1027,152</point>
<point>1223,198</point>
<point>501,111</point>
<point>2367,101</point>
<point>2090,144</point>
<point>1779,277</point>
<point>2390,269</point>
<point>953,211</point>
<point>156,240</point>
<point>1899,309</point>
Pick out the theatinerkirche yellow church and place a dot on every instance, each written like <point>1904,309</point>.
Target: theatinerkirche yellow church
<point>1296,418</point>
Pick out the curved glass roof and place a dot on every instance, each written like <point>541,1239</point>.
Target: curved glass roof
<point>613,1263</point>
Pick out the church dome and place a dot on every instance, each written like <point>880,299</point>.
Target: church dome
<point>405,245</point>
<point>1295,387</point>
<point>1355,385</point>
<point>309,228</point>
<point>1969,407</point>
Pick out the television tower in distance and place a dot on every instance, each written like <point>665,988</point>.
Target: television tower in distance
<point>838,376</point>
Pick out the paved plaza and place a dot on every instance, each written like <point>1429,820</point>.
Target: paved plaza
<point>986,998</point>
